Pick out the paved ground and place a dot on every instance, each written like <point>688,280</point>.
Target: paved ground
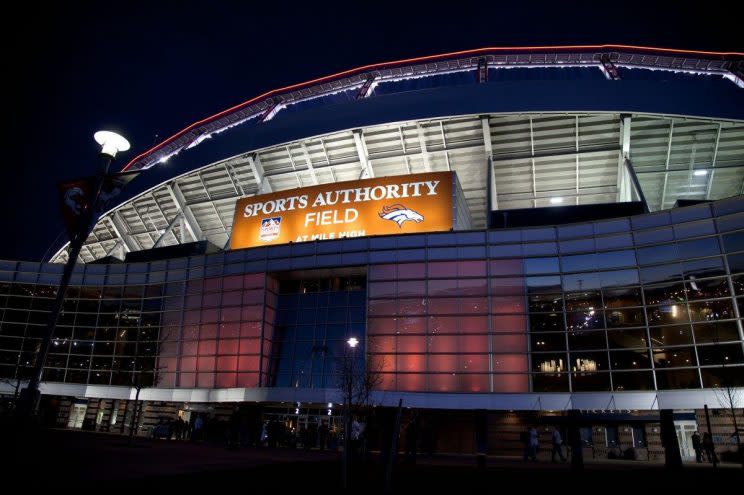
<point>54,457</point>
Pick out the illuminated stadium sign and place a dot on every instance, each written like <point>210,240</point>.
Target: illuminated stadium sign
<point>388,205</point>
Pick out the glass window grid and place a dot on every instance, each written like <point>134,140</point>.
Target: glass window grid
<point>735,310</point>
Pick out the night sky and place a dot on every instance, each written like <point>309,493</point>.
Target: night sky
<point>147,71</point>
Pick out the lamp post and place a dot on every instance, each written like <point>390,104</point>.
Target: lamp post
<point>111,143</point>
<point>348,381</point>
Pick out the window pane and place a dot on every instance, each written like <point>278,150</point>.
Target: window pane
<point>589,382</point>
<point>548,341</point>
<point>588,300</point>
<point>666,293</point>
<point>706,267</point>
<point>674,335</point>
<point>618,298</point>
<point>677,379</point>
<point>627,339</point>
<point>628,360</point>
<point>633,380</point>
<point>552,322</point>
<point>534,266</point>
<point>661,273</point>
<point>734,242</point>
<point>716,332</point>
<point>657,254</point>
<point>674,357</point>
<point>667,314</point>
<point>549,363</point>
<point>700,247</point>
<point>723,377</point>
<point>545,302</point>
<point>543,284</point>
<point>578,263</point>
<point>587,340</point>
<point>721,309</point>
<point>589,319</point>
<point>707,289</point>
<point>553,382</point>
<point>630,317</point>
<point>581,281</point>
<point>715,354</point>
<point>619,278</point>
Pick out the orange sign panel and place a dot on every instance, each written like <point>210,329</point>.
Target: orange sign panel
<point>388,205</point>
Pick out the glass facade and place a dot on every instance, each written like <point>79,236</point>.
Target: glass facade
<point>314,319</point>
<point>641,303</point>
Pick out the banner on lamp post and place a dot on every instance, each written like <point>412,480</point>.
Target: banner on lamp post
<point>75,198</point>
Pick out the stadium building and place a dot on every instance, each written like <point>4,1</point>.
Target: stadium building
<point>511,234</point>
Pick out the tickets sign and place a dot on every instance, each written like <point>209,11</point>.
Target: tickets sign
<point>388,205</point>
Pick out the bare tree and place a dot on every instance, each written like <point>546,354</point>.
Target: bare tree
<point>732,398</point>
<point>357,379</point>
<point>147,373</point>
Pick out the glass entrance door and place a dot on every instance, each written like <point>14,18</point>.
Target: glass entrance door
<point>77,415</point>
<point>684,430</point>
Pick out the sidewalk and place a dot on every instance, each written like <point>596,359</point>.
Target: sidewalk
<point>74,456</point>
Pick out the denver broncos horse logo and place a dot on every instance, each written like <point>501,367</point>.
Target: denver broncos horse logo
<point>398,213</point>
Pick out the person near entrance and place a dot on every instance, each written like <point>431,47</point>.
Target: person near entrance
<point>697,446</point>
<point>709,446</point>
<point>557,445</point>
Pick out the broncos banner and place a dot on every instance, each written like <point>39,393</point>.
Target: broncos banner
<point>74,197</point>
<point>389,205</point>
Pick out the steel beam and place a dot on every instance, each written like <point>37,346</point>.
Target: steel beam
<point>274,107</point>
<point>168,229</point>
<point>486,126</point>
<point>367,87</point>
<point>608,68</point>
<point>189,219</point>
<point>577,158</point>
<point>121,230</point>
<point>482,70</point>
<point>254,162</point>
<point>532,160</point>
<point>623,182</point>
<point>666,165</point>
<point>119,244</point>
<point>362,152</point>
<point>309,163</point>
<point>713,163</point>
<point>422,144</point>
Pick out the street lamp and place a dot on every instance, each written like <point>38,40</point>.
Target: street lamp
<point>111,143</point>
<point>348,379</point>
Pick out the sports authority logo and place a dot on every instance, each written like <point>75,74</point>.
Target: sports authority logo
<point>398,213</point>
<point>270,228</point>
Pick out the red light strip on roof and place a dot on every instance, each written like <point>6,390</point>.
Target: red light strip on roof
<point>364,68</point>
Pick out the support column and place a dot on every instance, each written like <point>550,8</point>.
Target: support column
<point>672,456</point>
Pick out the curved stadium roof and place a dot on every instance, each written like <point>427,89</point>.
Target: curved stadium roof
<point>554,121</point>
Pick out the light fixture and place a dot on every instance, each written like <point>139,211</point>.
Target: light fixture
<point>352,342</point>
<point>700,173</point>
<point>111,142</point>
<point>556,200</point>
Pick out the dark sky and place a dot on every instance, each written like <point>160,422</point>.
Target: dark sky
<point>150,69</point>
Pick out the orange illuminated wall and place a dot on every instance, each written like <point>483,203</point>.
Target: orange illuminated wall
<point>449,326</point>
<point>212,332</point>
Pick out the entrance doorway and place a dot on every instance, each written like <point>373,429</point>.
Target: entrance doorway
<point>77,415</point>
<point>684,430</point>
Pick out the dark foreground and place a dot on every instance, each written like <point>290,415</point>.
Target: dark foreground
<point>58,458</point>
